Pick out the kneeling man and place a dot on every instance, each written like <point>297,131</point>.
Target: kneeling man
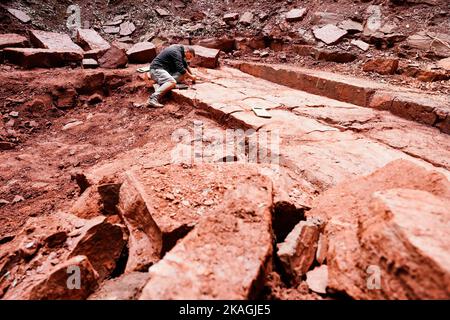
<point>169,68</point>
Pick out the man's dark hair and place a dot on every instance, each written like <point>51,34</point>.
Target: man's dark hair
<point>190,49</point>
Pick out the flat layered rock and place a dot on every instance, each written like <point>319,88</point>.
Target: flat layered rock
<point>12,40</point>
<point>230,17</point>
<point>364,46</point>
<point>338,56</point>
<point>20,15</point>
<point>324,18</point>
<point>43,58</point>
<point>53,41</point>
<point>206,57</point>
<point>317,279</point>
<point>351,26</point>
<point>388,244</point>
<point>408,104</point>
<point>102,244</point>
<point>113,58</point>
<point>298,250</point>
<point>89,39</point>
<point>329,33</point>
<point>142,52</point>
<point>295,14</point>
<point>375,19</point>
<point>419,108</point>
<point>215,260</point>
<point>127,28</point>
<point>95,54</point>
<point>161,205</point>
<point>89,63</point>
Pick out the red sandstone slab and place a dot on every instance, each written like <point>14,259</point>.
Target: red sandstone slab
<point>216,260</point>
<point>387,234</point>
<point>298,250</point>
<point>161,205</point>
<point>12,40</point>
<point>43,58</point>
<point>328,158</point>
<point>206,57</point>
<point>142,52</point>
<point>404,102</point>
<point>89,39</point>
<point>20,15</point>
<point>420,108</point>
<point>313,125</point>
<point>52,40</point>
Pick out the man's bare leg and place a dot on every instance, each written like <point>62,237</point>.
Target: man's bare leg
<point>160,92</point>
<point>180,79</point>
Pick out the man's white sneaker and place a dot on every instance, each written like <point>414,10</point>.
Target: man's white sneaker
<point>153,103</point>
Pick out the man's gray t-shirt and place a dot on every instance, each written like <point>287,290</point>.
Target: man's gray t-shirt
<point>172,59</point>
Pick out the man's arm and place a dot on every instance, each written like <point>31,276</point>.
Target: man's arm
<point>183,68</point>
<point>190,74</point>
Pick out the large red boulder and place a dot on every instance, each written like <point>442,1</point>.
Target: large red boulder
<point>89,39</point>
<point>152,231</point>
<point>387,234</point>
<point>226,256</point>
<point>206,57</point>
<point>113,58</point>
<point>381,66</point>
<point>142,52</point>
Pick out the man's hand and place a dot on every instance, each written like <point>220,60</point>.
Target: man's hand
<point>191,76</point>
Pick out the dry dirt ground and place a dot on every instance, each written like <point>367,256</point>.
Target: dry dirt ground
<point>353,202</point>
<point>40,169</point>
